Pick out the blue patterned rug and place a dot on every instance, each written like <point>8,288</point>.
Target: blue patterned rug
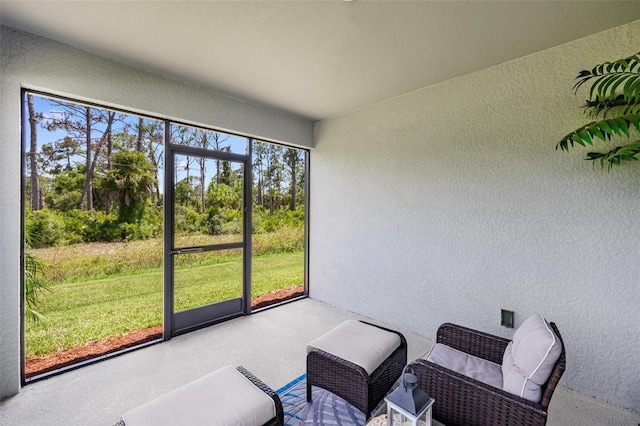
<point>325,408</point>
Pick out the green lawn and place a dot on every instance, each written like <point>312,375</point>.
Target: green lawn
<point>80,311</point>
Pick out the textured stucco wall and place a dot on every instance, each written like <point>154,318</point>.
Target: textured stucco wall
<point>38,63</point>
<point>450,203</point>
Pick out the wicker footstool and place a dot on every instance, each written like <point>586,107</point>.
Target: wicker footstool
<point>228,396</point>
<point>357,361</point>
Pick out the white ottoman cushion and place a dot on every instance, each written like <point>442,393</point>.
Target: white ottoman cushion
<point>471,366</point>
<point>359,343</point>
<point>223,397</point>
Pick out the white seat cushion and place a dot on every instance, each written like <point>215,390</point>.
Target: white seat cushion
<point>468,365</point>
<point>359,343</point>
<point>529,358</point>
<point>223,397</point>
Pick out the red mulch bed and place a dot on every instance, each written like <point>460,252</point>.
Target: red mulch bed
<point>39,365</point>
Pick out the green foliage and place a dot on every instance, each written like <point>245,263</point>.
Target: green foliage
<point>130,181</point>
<point>126,162</point>
<point>263,221</point>
<point>187,221</point>
<point>66,187</point>
<point>212,223</point>
<point>91,226</point>
<point>614,96</point>
<point>229,196</point>
<point>45,226</point>
<point>97,260</point>
<point>185,193</point>
<point>83,226</point>
<point>135,231</point>
<point>153,219</point>
<point>34,283</point>
<point>232,221</point>
<point>286,240</point>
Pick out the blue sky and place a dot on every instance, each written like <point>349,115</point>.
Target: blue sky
<point>51,111</point>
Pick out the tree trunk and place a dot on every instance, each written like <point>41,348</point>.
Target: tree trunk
<point>291,156</point>
<point>140,135</point>
<point>92,164</point>
<point>154,161</point>
<point>107,209</point>
<point>293,205</point>
<point>203,165</point>
<point>36,203</point>
<point>270,179</point>
<point>109,150</point>
<point>87,192</point>
<point>202,162</point>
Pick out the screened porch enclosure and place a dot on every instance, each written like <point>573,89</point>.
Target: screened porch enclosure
<point>107,271</point>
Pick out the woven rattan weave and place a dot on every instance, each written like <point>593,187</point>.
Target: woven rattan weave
<point>350,381</point>
<point>462,401</point>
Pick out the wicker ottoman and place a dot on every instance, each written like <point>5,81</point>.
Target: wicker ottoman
<point>357,361</point>
<point>228,396</point>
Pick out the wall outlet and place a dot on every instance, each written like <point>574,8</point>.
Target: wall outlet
<point>506,318</point>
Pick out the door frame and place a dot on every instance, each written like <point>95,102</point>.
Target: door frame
<point>193,319</point>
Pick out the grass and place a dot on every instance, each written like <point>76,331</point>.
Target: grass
<point>107,290</point>
<point>101,260</point>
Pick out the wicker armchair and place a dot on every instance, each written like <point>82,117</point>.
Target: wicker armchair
<point>463,401</point>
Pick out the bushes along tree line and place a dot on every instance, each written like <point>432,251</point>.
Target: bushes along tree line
<point>97,177</point>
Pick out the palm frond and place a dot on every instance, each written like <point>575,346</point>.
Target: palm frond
<point>33,285</point>
<point>603,130</point>
<point>617,155</point>
<point>616,107</point>
<point>614,95</point>
<point>610,77</point>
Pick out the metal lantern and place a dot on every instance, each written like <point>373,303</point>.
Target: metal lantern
<point>411,402</point>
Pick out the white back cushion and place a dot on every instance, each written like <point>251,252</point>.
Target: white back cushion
<point>529,358</point>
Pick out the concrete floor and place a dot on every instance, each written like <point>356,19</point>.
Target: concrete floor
<point>271,344</point>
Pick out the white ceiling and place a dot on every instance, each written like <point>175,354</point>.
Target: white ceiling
<point>317,59</point>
